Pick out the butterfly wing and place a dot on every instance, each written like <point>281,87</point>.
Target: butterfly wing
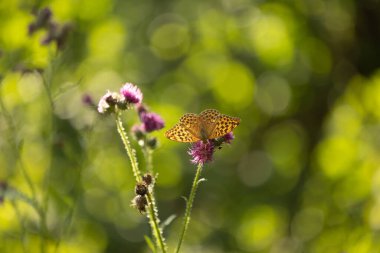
<point>210,124</point>
<point>192,123</point>
<point>181,134</point>
<point>187,130</point>
<point>223,125</point>
<point>208,120</point>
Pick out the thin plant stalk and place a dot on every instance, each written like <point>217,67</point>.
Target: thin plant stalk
<point>151,198</point>
<point>25,174</point>
<point>148,157</point>
<point>152,212</point>
<point>189,205</point>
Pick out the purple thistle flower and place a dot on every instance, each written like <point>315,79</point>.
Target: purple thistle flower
<point>152,121</point>
<point>131,93</point>
<point>228,137</point>
<point>201,152</point>
<point>218,142</point>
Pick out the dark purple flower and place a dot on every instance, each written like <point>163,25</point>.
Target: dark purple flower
<point>87,100</point>
<point>42,20</point>
<point>141,109</point>
<point>228,137</point>
<point>131,93</point>
<point>202,152</point>
<point>152,121</point>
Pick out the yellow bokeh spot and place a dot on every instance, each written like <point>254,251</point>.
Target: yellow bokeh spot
<point>211,27</point>
<point>259,228</point>
<point>170,41</point>
<point>14,32</point>
<point>233,84</point>
<point>8,218</point>
<point>107,41</point>
<point>30,86</point>
<point>271,40</point>
<point>371,96</point>
<point>34,156</point>
<point>63,10</point>
<point>336,155</point>
<point>9,90</point>
<point>346,121</point>
<point>93,9</point>
<point>112,169</point>
<point>40,54</point>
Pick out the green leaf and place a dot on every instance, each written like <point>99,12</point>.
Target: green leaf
<point>168,220</point>
<point>150,243</point>
<point>202,180</point>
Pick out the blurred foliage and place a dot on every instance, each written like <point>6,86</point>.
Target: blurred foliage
<point>302,174</point>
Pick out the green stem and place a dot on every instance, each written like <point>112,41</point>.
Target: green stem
<point>189,205</point>
<point>152,215</point>
<point>148,158</point>
<point>127,145</point>
<point>154,222</point>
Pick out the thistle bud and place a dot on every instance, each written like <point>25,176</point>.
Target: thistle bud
<point>147,178</point>
<point>139,202</point>
<point>141,188</point>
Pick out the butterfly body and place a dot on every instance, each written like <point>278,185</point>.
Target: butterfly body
<point>209,124</point>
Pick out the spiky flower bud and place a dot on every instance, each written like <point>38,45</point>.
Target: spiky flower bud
<point>148,178</point>
<point>140,202</point>
<point>141,188</point>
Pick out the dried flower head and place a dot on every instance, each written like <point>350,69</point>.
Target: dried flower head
<point>202,152</point>
<point>108,102</point>
<point>141,188</point>
<point>140,202</point>
<point>131,93</point>
<point>148,178</point>
<point>138,131</point>
<point>57,33</point>
<point>152,143</point>
<point>42,20</point>
<point>152,121</point>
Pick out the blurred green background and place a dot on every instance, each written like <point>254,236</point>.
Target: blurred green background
<point>302,174</point>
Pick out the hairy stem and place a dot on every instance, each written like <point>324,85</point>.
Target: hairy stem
<point>152,212</point>
<point>127,145</point>
<point>189,206</point>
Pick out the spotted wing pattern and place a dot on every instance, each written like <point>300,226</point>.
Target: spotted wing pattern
<point>181,134</point>
<point>223,126</point>
<point>187,130</point>
<point>210,124</point>
<point>208,119</point>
